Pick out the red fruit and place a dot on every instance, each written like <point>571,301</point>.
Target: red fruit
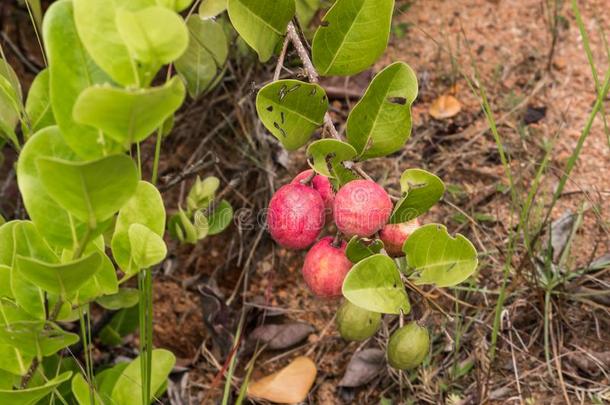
<point>296,216</point>
<point>395,235</point>
<point>362,207</point>
<point>325,267</point>
<point>321,184</point>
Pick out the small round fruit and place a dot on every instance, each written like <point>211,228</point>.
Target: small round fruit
<point>325,267</point>
<point>296,216</point>
<point>408,346</point>
<point>321,184</point>
<point>394,236</point>
<point>355,323</point>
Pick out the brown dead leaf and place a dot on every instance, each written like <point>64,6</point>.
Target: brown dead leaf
<point>290,385</point>
<point>445,106</point>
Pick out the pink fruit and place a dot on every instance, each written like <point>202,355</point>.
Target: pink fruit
<point>395,235</point>
<point>362,207</point>
<point>296,216</point>
<point>321,184</point>
<point>325,267</point>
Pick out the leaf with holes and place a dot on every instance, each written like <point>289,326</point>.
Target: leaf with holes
<point>327,156</point>
<point>435,257</point>
<point>375,285</point>
<point>361,248</point>
<point>352,36</point>
<point>202,64</point>
<point>129,116</point>
<point>261,24</point>
<point>38,105</point>
<point>380,123</point>
<point>421,190</point>
<point>292,110</point>
<point>91,191</point>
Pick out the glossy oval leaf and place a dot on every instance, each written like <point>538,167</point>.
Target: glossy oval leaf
<point>202,63</point>
<point>361,248</point>
<point>55,223</point>
<point>352,36</point>
<point>128,116</point>
<point>154,35</point>
<point>421,190</point>
<point>380,123</point>
<point>292,110</point>
<point>147,248</point>
<point>38,105</point>
<point>59,278</point>
<point>71,70</point>
<point>33,395</point>
<point>96,23</point>
<point>375,285</point>
<point>145,207</point>
<point>435,257</point>
<point>124,393</point>
<point>220,218</point>
<point>211,8</point>
<point>91,191</point>
<point>327,156</point>
<point>261,24</point>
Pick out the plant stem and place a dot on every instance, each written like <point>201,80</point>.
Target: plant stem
<point>155,168</point>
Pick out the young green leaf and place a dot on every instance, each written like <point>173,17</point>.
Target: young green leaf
<point>63,278</point>
<point>435,257</point>
<point>292,110</point>
<point>33,395</point>
<point>181,228</point>
<point>421,190</point>
<point>124,393</point>
<point>202,63</point>
<point>220,218</point>
<point>380,123</point>
<point>375,285</point>
<point>361,248</point>
<point>211,8</point>
<point>147,248</point>
<point>352,36</point>
<point>128,115</point>
<point>327,156</point>
<point>33,338</point>
<point>202,193</point>
<point>102,283</point>
<point>97,28</point>
<point>176,5</point>
<point>261,23</point>
<point>71,71</point>
<point>125,298</point>
<point>82,391</point>
<point>38,105</point>
<point>154,35</point>
<point>55,223</point>
<point>91,191</point>
<point>145,207</point>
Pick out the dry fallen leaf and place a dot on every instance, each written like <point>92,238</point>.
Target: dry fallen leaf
<point>290,385</point>
<point>282,336</point>
<point>363,367</point>
<point>444,107</point>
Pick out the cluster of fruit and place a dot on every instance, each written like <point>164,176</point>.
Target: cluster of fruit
<point>297,214</point>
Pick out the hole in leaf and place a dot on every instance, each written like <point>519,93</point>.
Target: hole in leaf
<point>277,126</point>
<point>324,24</point>
<point>313,91</point>
<point>270,108</point>
<point>394,285</point>
<point>282,93</point>
<point>397,100</point>
<point>293,88</point>
<point>282,116</point>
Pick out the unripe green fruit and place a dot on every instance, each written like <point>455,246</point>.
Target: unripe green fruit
<point>355,323</point>
<point>408,346</point>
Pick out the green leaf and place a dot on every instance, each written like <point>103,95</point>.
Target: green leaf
<point>421,190</point>
<point>327,156</point>
<point>181,228</point>
<point>202,193</point>
<point>62,279</point>
<point>380,123</point>
<point>56,224</point>
<point>5,282</point>
<point>292,110</point>
<point>147,248</point>
<point>33,338</point>
<point>220,218</point>
<point>261,23</point>
<point>202,63</point>
<point>176,5</point>
<point>352,36</point>
<point>361,248</point>
<point>211,8</point>
<point>103,282</point>
<point>306,10</point>
<point>10,100</point>
<point>154,35</point>
<point>375,285</point>
<point>124,393</point>
<point>92,191</point>
<point>145,207</point>
<point>201,224</point>
<point>124,322</point>
<point>107,379</point>
<point>33,395</point>
<point>82,391</point>
<point>71,70</point>
<point>97,28</point>
<point>125,298</point>
<point>13,360</point>
<point>128,115</point>
<point>38,104</point>
<point>434,257</point>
